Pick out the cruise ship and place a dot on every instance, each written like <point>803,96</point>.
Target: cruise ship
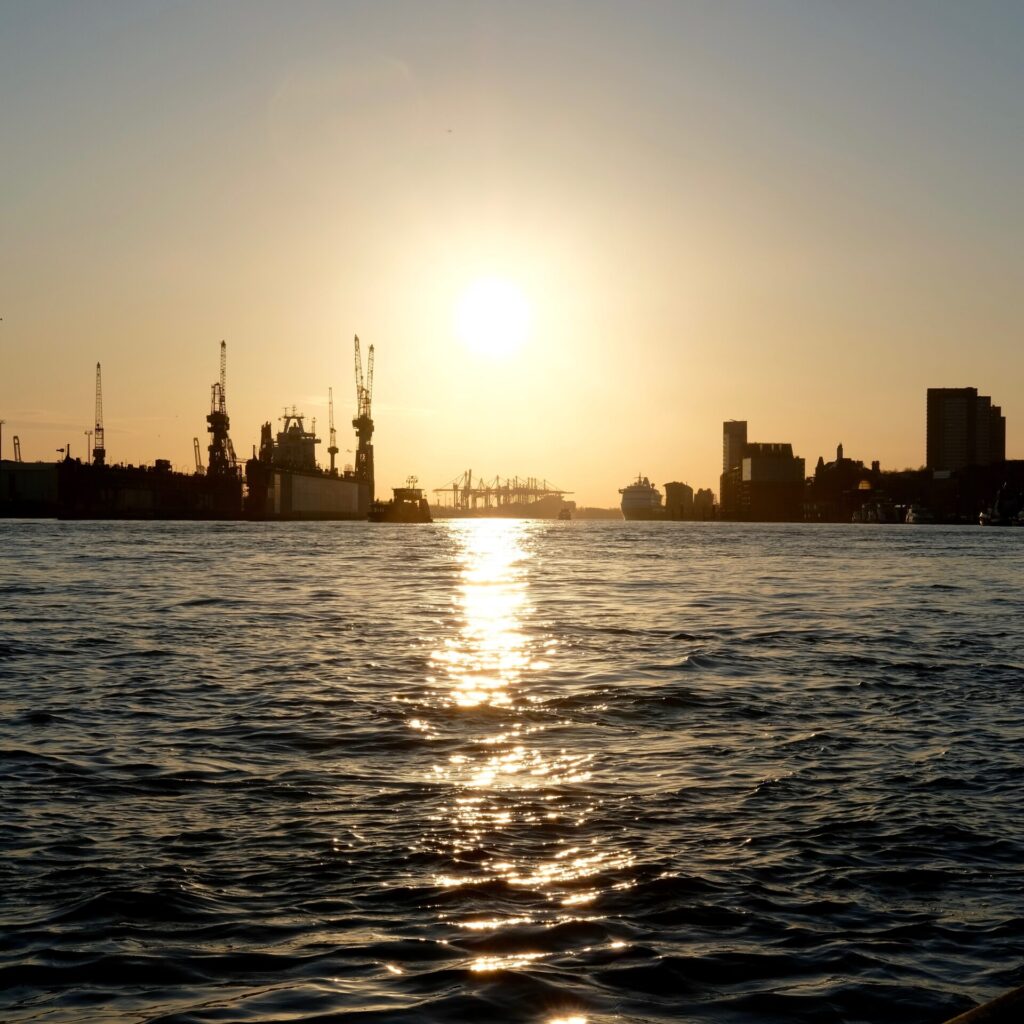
<point>641,500</point>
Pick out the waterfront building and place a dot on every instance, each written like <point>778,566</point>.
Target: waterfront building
<point>760,482</point>
<point>734,440</point>
<point>678,501</point>
<point>963,429</point>
<point>840,488</point>
<point>704,504</point>
<point>772,484</point>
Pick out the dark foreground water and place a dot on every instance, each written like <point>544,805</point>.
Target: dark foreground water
<point>505,771</point>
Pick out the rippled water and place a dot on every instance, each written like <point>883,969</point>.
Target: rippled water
<point>509,771</point>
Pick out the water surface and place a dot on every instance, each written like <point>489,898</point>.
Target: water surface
<point>509,771</point>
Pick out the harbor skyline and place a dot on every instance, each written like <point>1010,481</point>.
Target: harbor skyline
<point>580,239</point>
<point>511,511</point>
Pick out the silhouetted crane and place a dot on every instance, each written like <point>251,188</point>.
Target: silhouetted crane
<point>99,451</point>
<point>333,450</point>
<point>222,461</point>
<point>364,421</point>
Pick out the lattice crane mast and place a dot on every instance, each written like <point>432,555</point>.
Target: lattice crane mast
<point>222,461</point>
<point>364,421</point>
<point>333,449</point>
<point>99,451</point>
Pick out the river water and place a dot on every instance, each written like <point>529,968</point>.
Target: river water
<point>509,771</point>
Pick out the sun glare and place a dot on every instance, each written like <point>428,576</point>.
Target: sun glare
<point>493,317</point>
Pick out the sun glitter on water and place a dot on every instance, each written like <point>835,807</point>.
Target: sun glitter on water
<point>492,317</point>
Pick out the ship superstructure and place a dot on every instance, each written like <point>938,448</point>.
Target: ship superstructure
<point>641,500</point>
<point>284,479</point>
<point>407,506</point>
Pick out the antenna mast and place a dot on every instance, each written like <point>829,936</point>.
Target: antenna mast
<point>99,452</point>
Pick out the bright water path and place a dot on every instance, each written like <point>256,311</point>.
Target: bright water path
<point>509,771</point>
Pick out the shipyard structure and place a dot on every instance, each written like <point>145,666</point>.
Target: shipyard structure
<point>513,497</point>
<point>281,481</point>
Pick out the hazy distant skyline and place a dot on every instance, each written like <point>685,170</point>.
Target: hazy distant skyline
<point>801,215</point>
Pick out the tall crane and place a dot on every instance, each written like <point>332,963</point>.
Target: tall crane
<point>198,454</point>
<point>333,450</point>
<point>99,452</point>
<point>364,421</point>
<point>222,461</point>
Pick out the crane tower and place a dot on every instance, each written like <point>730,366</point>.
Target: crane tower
<point>99,452</point>
<point>363,421</point>
<point>222,461</point>
<point>333,449</point>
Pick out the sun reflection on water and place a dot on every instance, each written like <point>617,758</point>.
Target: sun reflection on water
<point>490,653</point>
<point>514,800</point>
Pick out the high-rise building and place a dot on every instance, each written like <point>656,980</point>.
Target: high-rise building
<point>734,439</point>
<point>963,428</point>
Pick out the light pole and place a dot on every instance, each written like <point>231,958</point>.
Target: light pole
<point>88,442</point>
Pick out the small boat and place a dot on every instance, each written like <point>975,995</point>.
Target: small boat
<point>407,506</point>
<point>565,514</point>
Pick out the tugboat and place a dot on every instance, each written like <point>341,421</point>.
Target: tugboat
<point>407,506</point>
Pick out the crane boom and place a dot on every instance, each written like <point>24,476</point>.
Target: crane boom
<point>223,375</point>
<point>359,371</point>
<point>368,390</point>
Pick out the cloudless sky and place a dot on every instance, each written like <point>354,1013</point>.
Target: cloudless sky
<point>800,214</point>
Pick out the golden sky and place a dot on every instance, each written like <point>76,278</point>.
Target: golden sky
<point>799,215</point>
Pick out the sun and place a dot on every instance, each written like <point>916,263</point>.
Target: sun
<point>492,317</point>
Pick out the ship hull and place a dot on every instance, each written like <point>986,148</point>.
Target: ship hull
<point>642,514</point>
<point>75,490</point>
<point>283,494</point>
<point>400,512</point>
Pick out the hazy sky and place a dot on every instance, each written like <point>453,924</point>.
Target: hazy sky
<point>799,214</point>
